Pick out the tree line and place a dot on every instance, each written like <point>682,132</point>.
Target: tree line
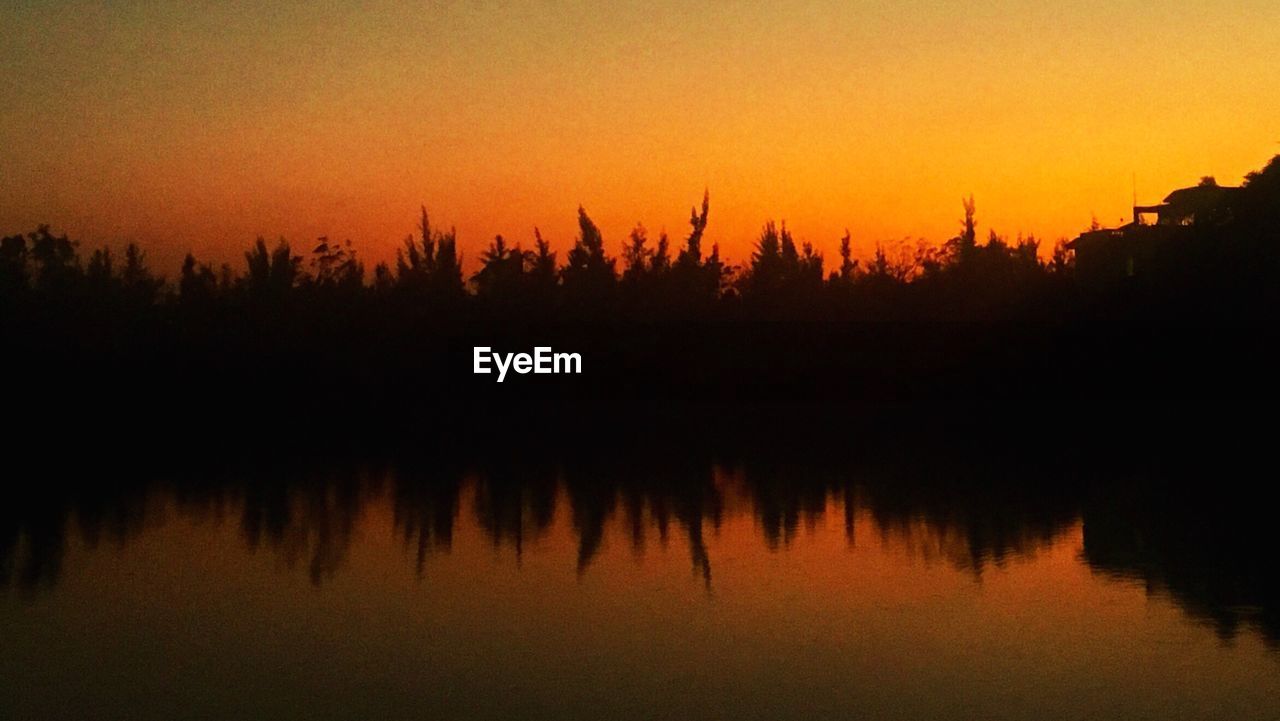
<point>963,278</point>
<point>647,278</point>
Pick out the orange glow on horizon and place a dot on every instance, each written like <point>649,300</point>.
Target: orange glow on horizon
<point>198,130</point>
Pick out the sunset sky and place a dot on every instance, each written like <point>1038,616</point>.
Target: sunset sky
<point>200,126</point>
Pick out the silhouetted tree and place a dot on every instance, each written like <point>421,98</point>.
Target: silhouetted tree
<point>1063,260</point>
<point>691,255</point>
<point>765,274</point>
<point>140,286</point>
<point>544,276</point>
<point>697,282</point>
<point>197,283</point>
<point>637,257</point>
<point>56,267</point>
<point>660,262</point>
<point>848,266</point>
<point>430,269</point>
<point>589,275</point>
<point>273,274</point>
<point>100,271</point>
<point>335,267</point>
<point>781,275</point>
<point>502,277</point>
<point>13,266</point>
<point>962,247</point>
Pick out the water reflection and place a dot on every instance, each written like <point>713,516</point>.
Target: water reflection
<point>1205,548</point>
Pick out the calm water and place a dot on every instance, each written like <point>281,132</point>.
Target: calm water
<point>691,593</point>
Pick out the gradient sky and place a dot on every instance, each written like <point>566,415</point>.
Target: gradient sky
<point>199,126</point>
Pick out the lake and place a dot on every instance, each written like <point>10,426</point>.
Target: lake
<point>689,588</point>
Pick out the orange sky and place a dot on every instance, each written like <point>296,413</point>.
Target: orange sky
<point>199,128</point>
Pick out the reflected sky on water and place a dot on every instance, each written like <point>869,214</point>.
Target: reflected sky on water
<point>689,590</point>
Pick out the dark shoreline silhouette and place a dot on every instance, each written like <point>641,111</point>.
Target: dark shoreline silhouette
<point>1182,309</point>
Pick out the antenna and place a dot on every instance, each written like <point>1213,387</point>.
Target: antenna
<point>1136,218</point>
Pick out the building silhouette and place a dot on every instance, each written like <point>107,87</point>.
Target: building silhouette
<point>1131,249</point>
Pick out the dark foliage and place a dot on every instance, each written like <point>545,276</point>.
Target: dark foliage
<point>966,318</point>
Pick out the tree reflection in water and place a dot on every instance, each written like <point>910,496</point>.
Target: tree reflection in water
<point>1203,546</point>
